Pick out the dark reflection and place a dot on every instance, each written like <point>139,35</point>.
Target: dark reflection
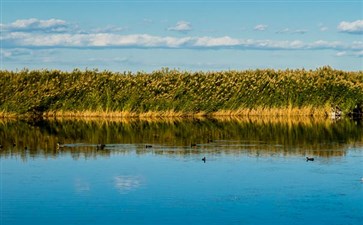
<point>91,138</point>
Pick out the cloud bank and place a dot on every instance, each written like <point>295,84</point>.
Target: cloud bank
<point>108,40</point>
<point>55,33</point>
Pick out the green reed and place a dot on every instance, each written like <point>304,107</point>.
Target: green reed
<point>39,91</point>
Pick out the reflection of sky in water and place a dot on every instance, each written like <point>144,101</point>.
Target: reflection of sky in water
<point>152,189</point>
<point>125,184</point>
<point>244,180</point>
<point>81,185</point>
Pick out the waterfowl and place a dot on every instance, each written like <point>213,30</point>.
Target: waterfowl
<point>204,159</point>
<point>59,145</point>
<point>148,146</point>
<point>193,145</point>
<point>101,147</point>
<point>309,159</point>
<point>1,147</point>
<point>14,144</point>
<point>209,141</point>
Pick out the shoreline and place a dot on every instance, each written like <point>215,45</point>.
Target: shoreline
<point>257,112</point>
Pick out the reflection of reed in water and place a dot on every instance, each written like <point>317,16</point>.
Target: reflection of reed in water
<point>252,135</point>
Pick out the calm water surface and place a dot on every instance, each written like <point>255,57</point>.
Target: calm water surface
<point>255,172</point>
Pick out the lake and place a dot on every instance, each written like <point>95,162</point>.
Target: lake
<point>152,172</point>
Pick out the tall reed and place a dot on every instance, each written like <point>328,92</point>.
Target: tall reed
<point>179,93</point>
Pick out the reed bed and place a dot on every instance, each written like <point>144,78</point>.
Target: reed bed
<point>174,93</point>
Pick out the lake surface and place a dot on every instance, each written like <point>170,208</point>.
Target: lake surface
<point>255,171</point>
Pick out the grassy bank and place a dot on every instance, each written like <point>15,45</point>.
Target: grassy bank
<point>178,93</point>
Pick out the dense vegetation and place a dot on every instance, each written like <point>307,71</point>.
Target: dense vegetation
<point>41,91</point>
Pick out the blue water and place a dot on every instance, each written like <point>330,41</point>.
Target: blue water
<point>255,172</point>
<point>131,188</point>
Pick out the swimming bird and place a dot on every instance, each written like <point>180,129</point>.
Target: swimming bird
<point>59,145</point>
<point>309,159</point>
<point>204,159</point>
<point>14,144</point>
<point>209,141</point>
<point>1,146</point>
<point>193,145</point>
<point>148,146</point>
<point>101,147</point>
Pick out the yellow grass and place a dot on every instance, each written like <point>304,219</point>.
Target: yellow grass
<point>306,111</point>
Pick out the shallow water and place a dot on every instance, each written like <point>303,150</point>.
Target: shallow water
<point>255,172</point>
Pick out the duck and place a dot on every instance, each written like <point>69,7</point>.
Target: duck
<point>148,146</point>
<point>204,159</point>
<point>1,146</point>
<point>101,147</point>
<point>193,145</point>
<point>59,145</point>
<point>309,159</point>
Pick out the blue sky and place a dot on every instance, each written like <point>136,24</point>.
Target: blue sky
<point>188,35</point>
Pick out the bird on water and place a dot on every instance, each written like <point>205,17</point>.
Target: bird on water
<point>309,159</point>
<point>204,159</point>
<point>101,147</point>
<point>59,145</point>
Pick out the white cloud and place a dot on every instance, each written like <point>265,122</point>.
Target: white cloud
<point>342,53</point>
<point>109,29</point>
<point>102,40</point>
<point>125,184</point>
<point>215,42</point>
<point>289,31</point>
<point>20,35</point>
<point>32,24</point>
<point>355,27</point>
<point>260,27</point>
<point>181,26</point>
